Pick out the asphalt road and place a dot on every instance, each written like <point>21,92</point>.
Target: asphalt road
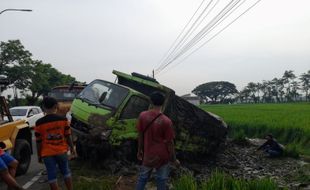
<point>33,179</point>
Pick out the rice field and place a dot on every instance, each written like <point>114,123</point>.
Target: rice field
<point>288,122</point>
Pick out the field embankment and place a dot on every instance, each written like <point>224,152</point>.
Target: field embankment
<point>289,122</point>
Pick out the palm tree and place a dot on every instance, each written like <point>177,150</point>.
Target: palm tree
<point>277,89</point>
<point>305,84</point>
<point>266,88</point>
<point>294,90</point>
<point>288,78</point>
<point>252,88</point>
<point>280,85</point>
<point>244,95</point>
<point>258,88</point>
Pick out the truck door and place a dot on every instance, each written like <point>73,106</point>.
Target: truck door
<point>125,127</point>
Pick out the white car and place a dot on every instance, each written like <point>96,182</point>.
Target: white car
<point>29,113</point>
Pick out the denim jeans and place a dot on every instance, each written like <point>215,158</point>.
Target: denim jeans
<point>52,161</point>
<point>5,160</point>
<point>162,174</point>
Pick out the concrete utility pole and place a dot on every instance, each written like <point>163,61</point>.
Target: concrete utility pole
<point>24,10</point>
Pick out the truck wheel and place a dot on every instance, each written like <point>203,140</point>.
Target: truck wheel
<point>22,153</point>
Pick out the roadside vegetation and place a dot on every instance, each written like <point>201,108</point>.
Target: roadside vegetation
<point>288,122</point>
<point>29,78</point>
<point>100,183</point>
<point>218,180</point>
<point>222,181</point>
<point>86,177</point>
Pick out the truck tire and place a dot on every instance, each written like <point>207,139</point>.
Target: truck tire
<point>22,153</point>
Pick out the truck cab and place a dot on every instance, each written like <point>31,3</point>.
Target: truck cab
<point>108,106</point>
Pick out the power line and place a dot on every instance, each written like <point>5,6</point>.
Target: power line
<point>165,55</point>
<point>203,18</point>
<point>185,37</point>
<point>216,34</point>
<point>203,32</point>
<point>196,36</point>
<point>188,33</point>
<point>210,29</point>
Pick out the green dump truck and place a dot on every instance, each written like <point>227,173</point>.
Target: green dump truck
<point>104,117</point>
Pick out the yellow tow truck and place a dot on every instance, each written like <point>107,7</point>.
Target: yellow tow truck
<point>15,137</point>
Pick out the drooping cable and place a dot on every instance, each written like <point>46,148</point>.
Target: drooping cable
<point>201,20</point>
<point>234,20</point>
<point>205,33</point>
<point>187,34</point>
<point>200,35</point>
<point>219,19</point>
<point>182,31</point>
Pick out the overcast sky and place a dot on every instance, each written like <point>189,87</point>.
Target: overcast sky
<point>88,39</point>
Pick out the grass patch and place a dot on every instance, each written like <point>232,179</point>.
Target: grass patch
<point>87,178</point>
<point>291,150</point>
<point>222,181</point>
<point>289,123</point>
<point>303,174</point>
<point>239,135</point>
<point>86,183</point>
<point>186,181</point>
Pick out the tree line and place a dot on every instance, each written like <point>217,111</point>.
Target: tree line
<point>27,76</point>
<point>288,88</point>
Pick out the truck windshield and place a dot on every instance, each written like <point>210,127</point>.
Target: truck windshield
<point>104,93</point>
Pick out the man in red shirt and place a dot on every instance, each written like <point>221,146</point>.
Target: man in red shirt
<point>8,166</point>
<point>155,141</point>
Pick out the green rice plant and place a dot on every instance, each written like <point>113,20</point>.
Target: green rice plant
<point>266,184</point>
<point>288,122</point>
<point>185,182</point>
<point>216,181</point>
<point>221,181</point>
<point>239,135</point>
<point>303,174</point>
<point>291,150</point>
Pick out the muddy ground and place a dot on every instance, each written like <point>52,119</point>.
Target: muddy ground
<point>286,171</point>
<point>238,159</point>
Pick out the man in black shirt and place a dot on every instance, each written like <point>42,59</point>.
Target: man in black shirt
<point>271,147</point>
